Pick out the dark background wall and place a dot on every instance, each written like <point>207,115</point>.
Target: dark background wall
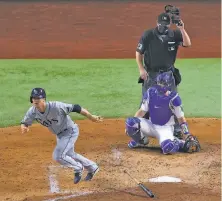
<point>99,29</point>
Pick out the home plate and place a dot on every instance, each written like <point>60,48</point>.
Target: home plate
<point>165,179</point>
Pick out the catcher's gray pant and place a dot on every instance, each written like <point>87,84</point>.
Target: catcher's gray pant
<point>64,151</point>
<point>149,83</point>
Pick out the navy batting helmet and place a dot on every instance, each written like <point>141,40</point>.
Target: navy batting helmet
<point>37,93</point>
<point>166,81</point>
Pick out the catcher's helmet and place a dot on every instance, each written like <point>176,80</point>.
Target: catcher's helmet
<point>165,81</point>
<point>38,93</point>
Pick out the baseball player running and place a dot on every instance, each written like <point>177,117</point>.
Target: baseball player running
<point>162,103</point>
<point>55,116</point>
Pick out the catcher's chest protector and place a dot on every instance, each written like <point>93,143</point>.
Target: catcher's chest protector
<point>160,111</point>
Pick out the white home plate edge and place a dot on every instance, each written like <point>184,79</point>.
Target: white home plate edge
<point>165,179</point>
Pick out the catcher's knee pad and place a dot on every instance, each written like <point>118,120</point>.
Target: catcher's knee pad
<point>133,130</point>
<point>169,146</point>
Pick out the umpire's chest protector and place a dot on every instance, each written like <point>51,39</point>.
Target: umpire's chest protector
<point>162,50</point>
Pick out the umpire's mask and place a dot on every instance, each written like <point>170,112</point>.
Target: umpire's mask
<point>163,23</point>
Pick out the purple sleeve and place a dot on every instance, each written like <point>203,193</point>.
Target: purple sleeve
<point>177,101</point>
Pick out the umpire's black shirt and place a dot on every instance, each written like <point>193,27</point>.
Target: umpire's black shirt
<point>159,50</point>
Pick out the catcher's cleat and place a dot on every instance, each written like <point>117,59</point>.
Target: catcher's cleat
<point>132,144</point>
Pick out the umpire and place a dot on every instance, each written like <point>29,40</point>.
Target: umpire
<point>156,53</point>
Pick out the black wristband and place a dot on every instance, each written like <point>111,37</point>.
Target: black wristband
<point>76,108</point>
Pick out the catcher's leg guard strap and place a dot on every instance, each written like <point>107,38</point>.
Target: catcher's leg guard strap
<point>133,129</point>
<point>169,146</point>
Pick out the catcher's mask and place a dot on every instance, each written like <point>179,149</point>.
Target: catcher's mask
<point>37,93</point>
<point>165,81</point>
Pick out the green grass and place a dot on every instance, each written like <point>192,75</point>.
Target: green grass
<point>105,87</point>
<point>201,87</point>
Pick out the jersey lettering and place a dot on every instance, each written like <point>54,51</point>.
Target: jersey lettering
<point>56,117</point>
<point>47,122</point>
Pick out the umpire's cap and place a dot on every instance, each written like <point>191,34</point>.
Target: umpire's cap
<point>163,19</point>
<point>37,93</point>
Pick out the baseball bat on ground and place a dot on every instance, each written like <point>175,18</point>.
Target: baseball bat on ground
<point>144,188</point>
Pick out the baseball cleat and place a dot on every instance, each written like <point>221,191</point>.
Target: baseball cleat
<point>78,176</point>
<point>132,144</point>
<point>90,175</point>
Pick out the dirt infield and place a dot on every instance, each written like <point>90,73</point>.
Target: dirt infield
<point>29,174</point>
<point>99,29</point>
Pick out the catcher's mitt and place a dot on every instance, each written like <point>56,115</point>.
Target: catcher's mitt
<point>191,144</point>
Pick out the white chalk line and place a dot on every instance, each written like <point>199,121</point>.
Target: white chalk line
<point>53,182</point>
<point>69,196</point>
<point>117,156</point>
<point>54,185</point>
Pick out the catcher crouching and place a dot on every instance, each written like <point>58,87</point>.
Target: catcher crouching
<point>163,103</point>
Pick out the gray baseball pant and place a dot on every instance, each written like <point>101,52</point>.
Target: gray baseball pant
<point>64,151</point>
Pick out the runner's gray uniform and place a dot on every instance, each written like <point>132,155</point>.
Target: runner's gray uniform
<point>56,118</point>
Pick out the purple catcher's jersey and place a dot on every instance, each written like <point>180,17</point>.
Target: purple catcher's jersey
<point>161,107</point>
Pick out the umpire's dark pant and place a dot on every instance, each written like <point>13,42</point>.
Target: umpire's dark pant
<point>149,83</point>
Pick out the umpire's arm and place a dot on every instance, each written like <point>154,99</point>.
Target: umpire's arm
<point>139,61</point>
<point>141,47</point>
<point>183,36</point>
